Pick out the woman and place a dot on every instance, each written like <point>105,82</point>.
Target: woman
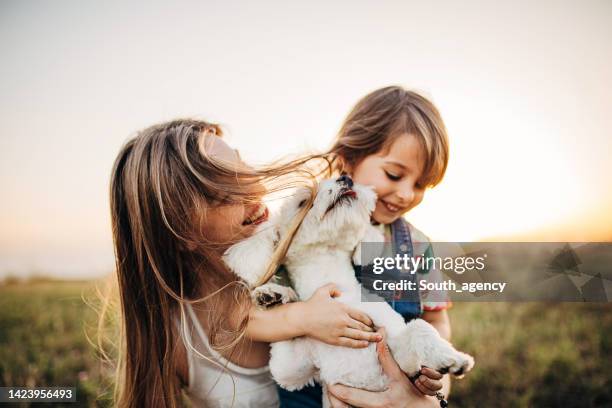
<point>179,197</point>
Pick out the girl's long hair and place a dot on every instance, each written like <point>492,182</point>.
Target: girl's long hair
<point>162,184</point>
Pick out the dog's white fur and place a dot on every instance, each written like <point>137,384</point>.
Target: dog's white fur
<point>320,253</point>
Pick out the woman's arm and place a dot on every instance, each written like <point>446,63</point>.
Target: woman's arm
<point>320,317</point>
<point>399,393</point>
<point>275,324</point>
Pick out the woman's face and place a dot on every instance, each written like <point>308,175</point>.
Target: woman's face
<point>394,174</point>
<point>230,222</point>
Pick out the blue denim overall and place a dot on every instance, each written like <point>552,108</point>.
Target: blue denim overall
<point>311,396</point>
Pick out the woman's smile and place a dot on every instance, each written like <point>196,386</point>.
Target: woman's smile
<point>258,216</point>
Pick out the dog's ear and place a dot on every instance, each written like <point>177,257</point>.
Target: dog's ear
<point>375,240</point>
<point>249,258</point>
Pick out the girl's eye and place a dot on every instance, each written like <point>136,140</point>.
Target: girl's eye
<point>392,176</point>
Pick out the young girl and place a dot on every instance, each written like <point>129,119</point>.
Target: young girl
<point>179,197</point>
<point>394,140</point>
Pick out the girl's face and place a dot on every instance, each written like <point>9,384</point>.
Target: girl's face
<point>229,222</point>
<point>394,174</point>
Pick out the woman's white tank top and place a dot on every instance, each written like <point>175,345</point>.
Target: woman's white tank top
<point>230,385</point>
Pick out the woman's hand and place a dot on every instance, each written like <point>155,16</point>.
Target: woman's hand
<point>332,322</point>
<point>400,392</point>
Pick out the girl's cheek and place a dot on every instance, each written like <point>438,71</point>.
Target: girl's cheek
<point>381,188</point>
<point>379,215</point>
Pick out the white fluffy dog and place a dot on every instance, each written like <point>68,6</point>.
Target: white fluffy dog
<point>321,253</point>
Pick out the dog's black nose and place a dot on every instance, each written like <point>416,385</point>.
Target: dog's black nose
<point>346,180</point>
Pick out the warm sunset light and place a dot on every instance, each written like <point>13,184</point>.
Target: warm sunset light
<point>144,261</point>
<point>525,97</point>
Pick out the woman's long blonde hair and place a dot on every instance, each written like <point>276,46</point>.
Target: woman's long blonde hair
<point>162,182</point>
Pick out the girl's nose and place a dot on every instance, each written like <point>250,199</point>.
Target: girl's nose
<point>406,195</point>
<point>346,180</point>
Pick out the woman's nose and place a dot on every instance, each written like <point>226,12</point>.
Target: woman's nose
<point>346,180</point>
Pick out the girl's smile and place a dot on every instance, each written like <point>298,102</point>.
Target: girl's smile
<point>390,207</point>
<point>395,174</point>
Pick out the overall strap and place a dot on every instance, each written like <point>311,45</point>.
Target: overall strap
<point>406,303</point>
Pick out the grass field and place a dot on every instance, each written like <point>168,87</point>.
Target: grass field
<point>43,341</point>
<point>527,354</point>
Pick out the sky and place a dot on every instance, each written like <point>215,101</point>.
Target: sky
<point>524,89</point>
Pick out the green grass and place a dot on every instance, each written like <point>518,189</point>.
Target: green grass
<point>43,341</point>
<point>527,354</point>
<point>535,354</point>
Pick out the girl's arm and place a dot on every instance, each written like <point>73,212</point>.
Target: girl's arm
<point>320,317</point>
<point>439,319</point>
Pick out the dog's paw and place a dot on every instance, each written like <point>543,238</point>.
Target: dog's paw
<point>451,361</point>
<point>444,358</point>
<point>272,294</point>
<point>420,345</point>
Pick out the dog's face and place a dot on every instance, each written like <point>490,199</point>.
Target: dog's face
<point>337,221</point>
<point>338,217</point>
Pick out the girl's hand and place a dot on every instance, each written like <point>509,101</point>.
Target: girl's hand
<point>429,381</point>
<point>332,322</point>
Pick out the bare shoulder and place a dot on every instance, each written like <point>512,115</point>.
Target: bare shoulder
<point>180,360</point>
